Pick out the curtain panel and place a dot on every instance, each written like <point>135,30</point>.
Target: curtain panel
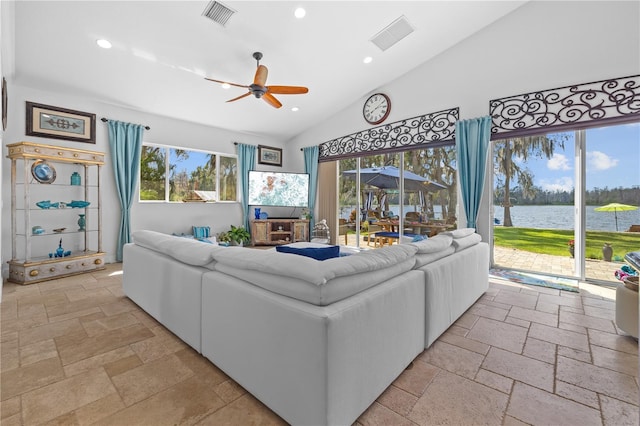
<point>425,131</point>
<point>311,167</point>
<point>472,144</point>
<point>606,102</point>
<point>246,162</point>
<point>125,143</point>
<point>328,203</point>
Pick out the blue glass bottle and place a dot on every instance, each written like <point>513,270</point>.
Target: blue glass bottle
<point>75,178</point>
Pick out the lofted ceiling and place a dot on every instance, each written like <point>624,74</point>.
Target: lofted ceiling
<point>162,50</point>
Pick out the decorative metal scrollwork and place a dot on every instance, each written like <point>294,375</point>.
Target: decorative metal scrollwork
<point>435,127</point>
<point>567,107</point>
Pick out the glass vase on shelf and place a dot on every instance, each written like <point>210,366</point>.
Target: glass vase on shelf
<point>81,222</point>
<point>75,179</point>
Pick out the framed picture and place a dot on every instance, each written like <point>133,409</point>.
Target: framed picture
<point>59,123</point>
<point>269,155</point>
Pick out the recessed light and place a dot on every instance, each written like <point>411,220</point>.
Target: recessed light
<point>294,109</point>
<point>225,85</point>
<point>367,60</point>
<point>105,44</point>
<point>299,13</point>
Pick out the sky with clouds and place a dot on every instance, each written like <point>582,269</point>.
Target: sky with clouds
<point>613,159</point>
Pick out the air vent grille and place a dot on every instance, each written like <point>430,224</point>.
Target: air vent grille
<point>393,33</point>
<point>218,12</point>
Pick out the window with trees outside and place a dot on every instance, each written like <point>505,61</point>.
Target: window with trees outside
<point>373,211</point>
<point>172,174</point>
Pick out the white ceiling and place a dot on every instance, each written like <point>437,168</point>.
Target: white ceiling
<point>163,49</point>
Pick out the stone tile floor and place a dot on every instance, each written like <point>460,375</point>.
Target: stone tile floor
<point>75,351</point>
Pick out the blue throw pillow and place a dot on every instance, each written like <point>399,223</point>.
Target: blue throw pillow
<point>201,231</point>
<point>318,253</point>
<point>417,238</point>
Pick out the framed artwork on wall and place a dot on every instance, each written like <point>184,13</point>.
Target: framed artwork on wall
<point>269,155</point>
<point>60,123</point>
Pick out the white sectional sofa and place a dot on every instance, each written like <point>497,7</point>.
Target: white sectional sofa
<point>315,341</point>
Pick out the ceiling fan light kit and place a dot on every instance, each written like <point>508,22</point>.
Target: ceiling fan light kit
<point>260,90</point>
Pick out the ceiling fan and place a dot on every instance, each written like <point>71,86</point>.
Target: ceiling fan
<point>258,88</point>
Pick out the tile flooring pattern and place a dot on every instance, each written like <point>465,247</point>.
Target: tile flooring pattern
<point>75,351</point>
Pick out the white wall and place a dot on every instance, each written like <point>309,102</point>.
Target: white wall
<point>162,217</point>
<point>542,45</point>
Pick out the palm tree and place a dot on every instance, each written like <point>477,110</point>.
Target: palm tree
<point>508,170</point>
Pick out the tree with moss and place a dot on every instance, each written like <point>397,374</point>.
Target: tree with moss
<point>508,171</point>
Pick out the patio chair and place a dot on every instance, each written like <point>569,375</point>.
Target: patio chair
<point>634,228</point>
<point>343,229</point>
<point>412,216</point>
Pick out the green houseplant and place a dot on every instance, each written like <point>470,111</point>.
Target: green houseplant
<point>239,235</point>
<point>223,238</point>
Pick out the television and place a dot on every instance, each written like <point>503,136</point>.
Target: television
<point>278,189</point>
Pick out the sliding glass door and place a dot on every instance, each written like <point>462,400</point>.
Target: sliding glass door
<point>391,197</point>
<point>612,197</point>
<point>550,202</point>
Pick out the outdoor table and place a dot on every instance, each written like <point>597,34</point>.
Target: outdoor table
<point>424,228</point>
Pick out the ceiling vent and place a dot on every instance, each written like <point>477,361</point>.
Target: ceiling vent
<point>393,33</point>
<point>218,12</point>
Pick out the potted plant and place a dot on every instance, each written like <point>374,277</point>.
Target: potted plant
<point>239,235</point>
<point>572,247</point>
<point>223,238</point>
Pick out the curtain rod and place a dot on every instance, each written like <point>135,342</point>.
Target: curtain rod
<point>104,120</point>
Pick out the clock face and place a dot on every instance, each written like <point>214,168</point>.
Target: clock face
<point>376,108</point>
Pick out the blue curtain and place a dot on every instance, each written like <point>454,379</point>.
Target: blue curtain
<point>125,143</point>
<point>311,166</point>
<point>472,143</point>
<point>246,162</point>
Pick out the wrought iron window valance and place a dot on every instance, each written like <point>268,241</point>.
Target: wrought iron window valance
<point>430,129</point>
<point>572,107</point>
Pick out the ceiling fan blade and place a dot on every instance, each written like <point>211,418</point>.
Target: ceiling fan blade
<point>226,82</point>
<point>239,97</point>
<point>261,75</point>
<point>287,90</point>
<point>271,100</point>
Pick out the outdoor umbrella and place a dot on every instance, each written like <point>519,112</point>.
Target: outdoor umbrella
<point>388,177</point>
<point>615,207</point>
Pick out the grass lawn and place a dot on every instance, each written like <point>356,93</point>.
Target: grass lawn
<point>556,241</point>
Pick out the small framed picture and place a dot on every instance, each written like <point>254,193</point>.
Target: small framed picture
<point>269,155</point>
<point>59,123</point>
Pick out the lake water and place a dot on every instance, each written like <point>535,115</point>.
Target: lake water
<point>561,217</point>
<point>550,217</point>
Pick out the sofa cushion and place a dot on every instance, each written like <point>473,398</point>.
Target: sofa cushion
<point>318,253</point>
<point>460,233</point>
<point>309,280</point>
<point>434,244</point>
<point>425,258</point>
<point>189,251</point>
<point>468,241</point>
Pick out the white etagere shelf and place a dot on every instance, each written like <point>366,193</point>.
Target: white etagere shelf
<point>33,255</point>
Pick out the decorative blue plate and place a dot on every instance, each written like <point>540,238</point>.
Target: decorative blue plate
<point>43,172</point>
<point>264,215</point>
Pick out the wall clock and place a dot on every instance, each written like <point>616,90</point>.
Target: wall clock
<point>376,108</point>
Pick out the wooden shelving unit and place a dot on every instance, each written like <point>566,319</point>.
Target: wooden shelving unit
<point>273,232</point>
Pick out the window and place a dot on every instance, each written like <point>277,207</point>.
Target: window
<point>179,175</point>
<point>427,206</point>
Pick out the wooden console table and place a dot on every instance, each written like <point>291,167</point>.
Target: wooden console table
<point>273,232</point>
